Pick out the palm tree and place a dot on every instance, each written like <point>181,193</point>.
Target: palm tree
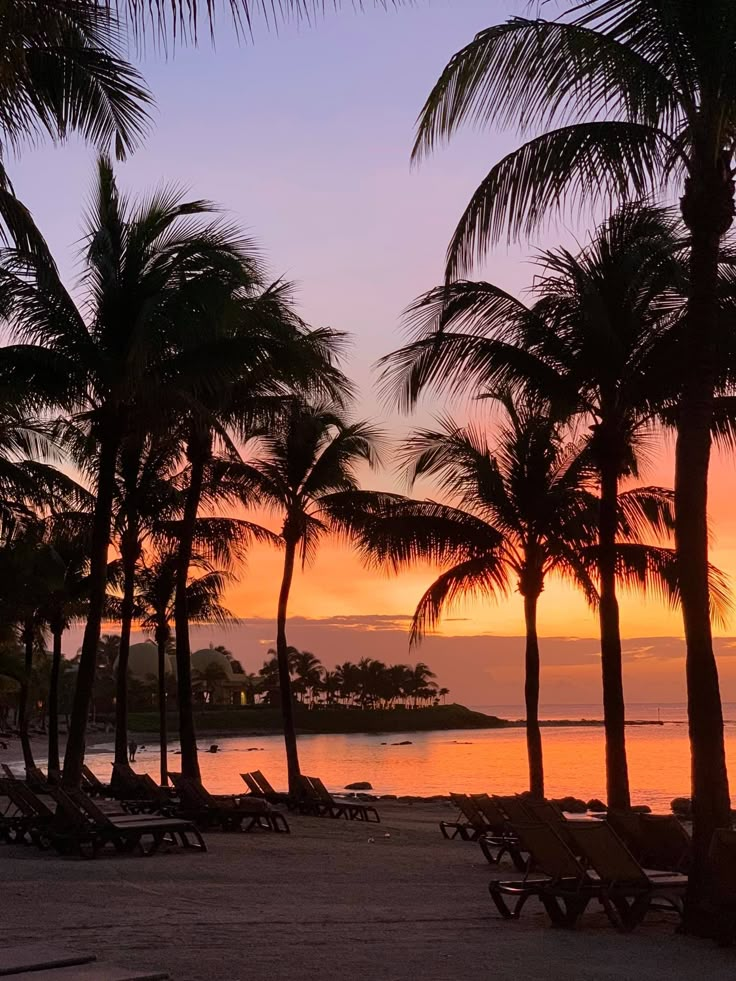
<point>525,510</point>
<point>598,337</point>
<point>145,267</point>
<point>154,608</point>
<point>639,97</point>
<point>310,455</point>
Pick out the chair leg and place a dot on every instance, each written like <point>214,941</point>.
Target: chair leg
<point>500,902</point>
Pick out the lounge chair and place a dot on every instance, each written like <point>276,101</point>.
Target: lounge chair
<point>7,771</point>
<point>471,823</point>
<point>658,841</point>
<point>83,822</point>
<point>229,813</point>
<point>626,890</point>
<point>318,797</point>
<point>259,786</point>
<point>499,838</point>
<point>36,778</point>
<point>92,784</point>
<point>560,881</point>
<point>31,815</point>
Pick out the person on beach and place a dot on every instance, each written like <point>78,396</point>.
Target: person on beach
<point>132,747</point>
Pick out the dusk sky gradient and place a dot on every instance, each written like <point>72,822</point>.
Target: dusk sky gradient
<point>305,138</point>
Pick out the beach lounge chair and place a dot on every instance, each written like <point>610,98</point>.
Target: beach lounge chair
<point>626,890</point>
<point>229,813</point>
<point>471,823</point>
<point>36,778</point>
<point>83,822</point>
<point>31,816</point>
<point>659,842</point>
<point>259,786</point>
<point>560,881</point>
<point>7,771</point>
<point>499,838</point>
<point>325,805</point>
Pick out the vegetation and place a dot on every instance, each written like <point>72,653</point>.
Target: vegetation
<point>178,382</point>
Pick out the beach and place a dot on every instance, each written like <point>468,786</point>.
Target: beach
<point>326,902</point>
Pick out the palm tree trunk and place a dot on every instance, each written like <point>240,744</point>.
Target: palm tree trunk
<point>162,722</point>
<point>54,763</point>
<point>187,734</point>
<point>531,698</point>
<point>23,697</point>
<point>121,676</point>
<point>74,756</point>
<point>282,653</point>
<point>614,709</point>
<point>708,209</point>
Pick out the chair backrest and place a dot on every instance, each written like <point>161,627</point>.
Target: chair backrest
<point>666,844</point>
<point>550,814</point>
<point>87,806</point>
<point>67,809</point>
<point>469,810</point>
<point>324,794</point>
<point>549,852</point>
<point>607,854</point>
<point>251,783</point>
<point>36,778</point>
<point>8,772</point>
<point>20,797</point>
<point>263,783</point>
<point>307,789</point>
<point>494,816</point>
<point>628,826</point>
<point>515,810</point>
<point>92,779</point>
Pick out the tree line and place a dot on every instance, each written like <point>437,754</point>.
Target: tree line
<point>632,334</point>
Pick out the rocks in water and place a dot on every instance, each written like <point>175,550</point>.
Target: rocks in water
<point>404,742</point>
<point>596,806</point>
<point>641,809</point>
<point>573,805</point>
<point>359,785</point>
<point>682,807</point>
<point>388,797</point>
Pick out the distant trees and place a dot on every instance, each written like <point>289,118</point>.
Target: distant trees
<point>369,684</point>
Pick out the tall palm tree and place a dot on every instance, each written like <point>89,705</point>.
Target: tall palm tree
<point>144,267</point>
<point>154,609</point>
<point>631,96</point>
<point>310,455</point>
<point>599,338</point>
<point>64,72</point>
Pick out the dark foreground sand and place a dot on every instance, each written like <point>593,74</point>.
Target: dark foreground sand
<point>325,903</point>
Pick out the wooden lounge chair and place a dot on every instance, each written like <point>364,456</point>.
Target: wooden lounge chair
<point>81,822</point>
<point>626,890</point>
<point>228,813</point>
<point>350,810</point>
<point>31,815</point>
<point>471,823</point>
<point>7,771</point>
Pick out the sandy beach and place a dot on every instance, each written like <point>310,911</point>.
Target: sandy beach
<point>325,902</point>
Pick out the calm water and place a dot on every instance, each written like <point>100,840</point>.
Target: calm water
<point>468,761</point>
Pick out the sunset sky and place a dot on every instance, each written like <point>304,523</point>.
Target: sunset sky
<point>305,138</point>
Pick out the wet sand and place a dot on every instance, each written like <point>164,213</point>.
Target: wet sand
<point>324,903</point>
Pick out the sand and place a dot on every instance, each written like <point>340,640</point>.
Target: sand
<point>323,903</point>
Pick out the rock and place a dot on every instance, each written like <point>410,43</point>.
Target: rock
<point>404,742</point>
<point>641,809</point>
<point>682,806</point>
<point>388,797</point>
<point>359,785</point>
<point>596,806</point>
<point>366,797</point>
<point>573,805</point>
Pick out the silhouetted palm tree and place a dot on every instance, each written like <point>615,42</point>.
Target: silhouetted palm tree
<point>598,338</point>
<point>643,98</point>
<point>154,601</point>
<point>310,455</point>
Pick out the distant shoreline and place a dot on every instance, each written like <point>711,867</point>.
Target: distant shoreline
<point>223,722</point>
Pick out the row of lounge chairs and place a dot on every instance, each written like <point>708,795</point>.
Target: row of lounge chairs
<point>629,862</point>
<point>314,799</point>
